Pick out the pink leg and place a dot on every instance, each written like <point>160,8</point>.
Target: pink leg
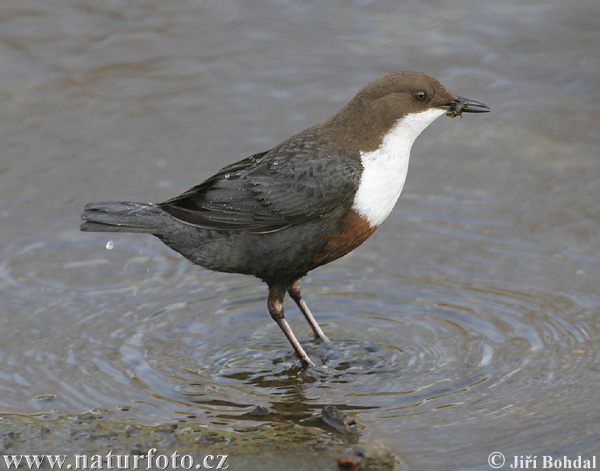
<point>294,293</point>
<point>275,305</point>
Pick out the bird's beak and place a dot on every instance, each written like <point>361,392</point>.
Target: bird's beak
<point>462,105</point>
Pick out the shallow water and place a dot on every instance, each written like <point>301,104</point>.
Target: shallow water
<point>467,324</point>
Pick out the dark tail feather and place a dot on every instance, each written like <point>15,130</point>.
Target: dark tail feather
<point>121,217</point>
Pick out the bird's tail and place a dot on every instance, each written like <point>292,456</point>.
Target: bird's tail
<point>122,217</point>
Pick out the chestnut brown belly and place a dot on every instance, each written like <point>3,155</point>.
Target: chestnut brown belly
<point>353,230</point>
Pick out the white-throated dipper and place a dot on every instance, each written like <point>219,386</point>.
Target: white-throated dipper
<point>308,201</point>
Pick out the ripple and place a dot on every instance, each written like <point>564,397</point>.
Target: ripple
<point>165,340</point>
<point>29,266</point>
<point>400,358</point>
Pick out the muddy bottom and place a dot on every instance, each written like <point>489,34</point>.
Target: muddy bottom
<point>98,440</point>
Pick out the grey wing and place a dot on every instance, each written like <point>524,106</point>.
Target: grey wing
<point>271,191</point>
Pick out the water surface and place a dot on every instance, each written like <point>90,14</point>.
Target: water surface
<point>467,324</point>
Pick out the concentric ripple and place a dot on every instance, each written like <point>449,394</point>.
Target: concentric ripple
<point>158,339</point>
<point>419,349</point>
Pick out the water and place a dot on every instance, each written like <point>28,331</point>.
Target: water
<point>467,324</point>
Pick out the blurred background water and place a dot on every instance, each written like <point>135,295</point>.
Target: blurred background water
<point>468,323</point>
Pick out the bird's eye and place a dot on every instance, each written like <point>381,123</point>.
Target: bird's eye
<point>420,95</point>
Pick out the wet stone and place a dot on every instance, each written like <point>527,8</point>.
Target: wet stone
<point>260,411</point>
<point>208,437</point>
<point>340,421</point>
<point>375,457</point>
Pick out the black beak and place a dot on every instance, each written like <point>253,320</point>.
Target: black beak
<point>465,105</point>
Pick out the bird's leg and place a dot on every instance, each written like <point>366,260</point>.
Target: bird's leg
<point>294,292</point>
<point>275,305</point>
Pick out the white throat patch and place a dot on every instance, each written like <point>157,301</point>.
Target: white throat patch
<point>384,169</point>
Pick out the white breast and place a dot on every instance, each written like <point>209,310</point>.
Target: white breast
<point>384,169</point>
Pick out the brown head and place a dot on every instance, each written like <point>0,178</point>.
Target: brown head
<point>374,110</point>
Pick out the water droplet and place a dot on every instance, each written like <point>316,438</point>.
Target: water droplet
<point>275,163</point>
<point>109,245</point>
<point>227,175</point>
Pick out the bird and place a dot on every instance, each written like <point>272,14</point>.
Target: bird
<point>278,214</point>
